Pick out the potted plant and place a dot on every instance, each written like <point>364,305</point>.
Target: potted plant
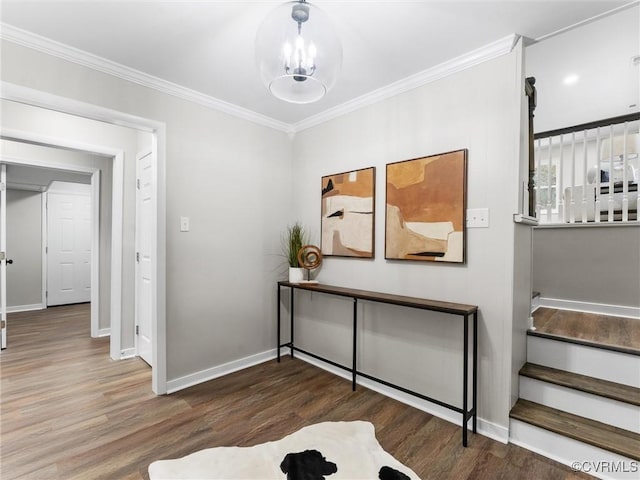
<point>293,240</point>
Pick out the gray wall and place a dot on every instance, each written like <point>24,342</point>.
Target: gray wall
<point>588,264</point>
<point>477,109</point>
<point>230,176</point>
<point>24,247</point>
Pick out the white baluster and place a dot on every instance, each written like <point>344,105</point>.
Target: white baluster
<point>625,180</point>
<point>549,204</point>
<point>572,212</point>
<point>597,179</point>
<point>584,177</point>
<point>560,186</point>
<point>537,185</point>
<point>611,185</point>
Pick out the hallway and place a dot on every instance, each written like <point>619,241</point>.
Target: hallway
<point>69,412</point>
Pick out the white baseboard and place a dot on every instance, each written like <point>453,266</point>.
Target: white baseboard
<point>104,332</point>
<point>25,308</point>
<point>485,427</point>
<point>600,308</point>
<point>219,371</point>
<point>127,353</point>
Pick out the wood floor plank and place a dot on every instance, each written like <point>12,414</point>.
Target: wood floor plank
<point>69,412</point>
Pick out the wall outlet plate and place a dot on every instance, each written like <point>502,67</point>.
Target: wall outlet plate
<point>478,218</point>
<point>184,224</point>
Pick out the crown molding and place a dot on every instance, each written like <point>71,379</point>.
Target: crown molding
<point>492,50</point>
<point>80,57</point>
<point>86,59</point>
<point>613,11</point>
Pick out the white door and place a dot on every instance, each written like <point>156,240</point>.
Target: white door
<point>144,250</point>
<point>68,245</point>
<point>3,253</point>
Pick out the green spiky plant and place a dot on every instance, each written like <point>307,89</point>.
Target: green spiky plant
<point>292,241</point>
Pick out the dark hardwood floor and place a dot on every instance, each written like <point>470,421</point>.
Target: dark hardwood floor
<point>604,330</point>
<point>69,412</point>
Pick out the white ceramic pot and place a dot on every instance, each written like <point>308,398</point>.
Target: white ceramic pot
<point>296,275</point>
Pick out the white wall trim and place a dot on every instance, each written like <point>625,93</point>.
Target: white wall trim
<point>127,353</point>
<point>488,52</point>
<point>117,216</point>
<point>80,57</point>
<point>86,59</point>
<point>95,251</point>
<point>104,332</point>
<point>43,246</point>
<point>219,371</point>
<point>600,308</point>
<point>50,101</point>
<point>26,187</point>
<point>485,427</point>
<point>25,308</point>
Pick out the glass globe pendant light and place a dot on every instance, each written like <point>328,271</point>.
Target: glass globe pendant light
<point>298,53</point>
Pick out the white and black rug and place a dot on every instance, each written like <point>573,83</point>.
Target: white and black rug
<point>330,450</point>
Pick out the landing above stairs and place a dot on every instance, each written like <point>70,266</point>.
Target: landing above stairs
<point>604,331</point>
<point>613,439</point>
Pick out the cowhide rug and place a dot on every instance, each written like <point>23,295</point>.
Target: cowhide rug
<point>330,450</point>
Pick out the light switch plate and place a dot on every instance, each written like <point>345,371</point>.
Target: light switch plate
<point>478,218</point>
<point>184,224</point>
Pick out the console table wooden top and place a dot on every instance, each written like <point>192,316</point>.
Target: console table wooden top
<point>413,302</point>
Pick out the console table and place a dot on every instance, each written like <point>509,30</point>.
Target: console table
<point>465,312</point>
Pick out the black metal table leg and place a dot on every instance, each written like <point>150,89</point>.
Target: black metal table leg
<point>475,372</point>
<point>465,379</point>
<point>291,313</point>
<point>278,342</point>
<point>354,367</point>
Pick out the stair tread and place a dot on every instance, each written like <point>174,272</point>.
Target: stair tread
<point>584,383</point>
<point>587,343</point>
<point>607,437</point>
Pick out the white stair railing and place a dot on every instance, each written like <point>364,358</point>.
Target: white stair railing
<point>601,161</point>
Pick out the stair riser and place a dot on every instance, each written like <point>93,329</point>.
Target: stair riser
<point>566,451</point>
<point>595,362</point>
<point>601,409</point>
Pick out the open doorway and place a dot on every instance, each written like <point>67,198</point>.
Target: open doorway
<point>67,240</point>
<point>33,172</point>
<point>27,118</point>
<point>29,189</point>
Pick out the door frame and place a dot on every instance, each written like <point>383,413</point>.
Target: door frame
<point>95,223</point>
<point>21,94</point>
<point>3,261</point>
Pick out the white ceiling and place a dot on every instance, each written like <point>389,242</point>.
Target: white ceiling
<point>208,46</point>
<point>27,177</point>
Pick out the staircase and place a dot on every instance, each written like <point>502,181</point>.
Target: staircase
<point>580,402</point>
